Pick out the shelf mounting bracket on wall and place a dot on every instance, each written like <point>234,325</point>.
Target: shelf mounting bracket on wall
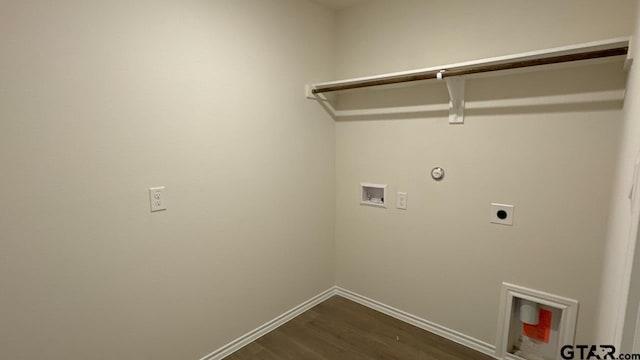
<point>455,85</point>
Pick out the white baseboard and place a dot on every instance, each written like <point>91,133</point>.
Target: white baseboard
<point>269,326</point>
<point>446,333</point>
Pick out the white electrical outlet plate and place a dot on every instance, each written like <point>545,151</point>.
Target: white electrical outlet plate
<point>401,201</point>
<point>501,214</point>
<point>158,199</point>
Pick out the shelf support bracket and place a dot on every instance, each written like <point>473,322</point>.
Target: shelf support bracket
<point>455,85</point>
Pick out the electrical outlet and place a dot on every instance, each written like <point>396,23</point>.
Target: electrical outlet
<point>401,201</point>
<point>501,214</point>
<point>158,199</point>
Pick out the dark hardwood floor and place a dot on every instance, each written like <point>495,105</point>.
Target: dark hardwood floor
<point>340,329</point>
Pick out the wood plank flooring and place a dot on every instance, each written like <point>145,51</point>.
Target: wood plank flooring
<point>339,329</point>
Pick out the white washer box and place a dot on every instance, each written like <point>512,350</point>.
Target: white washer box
<point>373,194</point>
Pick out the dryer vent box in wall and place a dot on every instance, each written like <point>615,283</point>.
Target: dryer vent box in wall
<point>534,324</point>
<point>373,194</point>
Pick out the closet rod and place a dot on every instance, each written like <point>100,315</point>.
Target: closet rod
<point>478,69</point>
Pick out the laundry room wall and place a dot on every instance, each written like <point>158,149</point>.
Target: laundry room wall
<point>100,101</point>
<point>441,259</point>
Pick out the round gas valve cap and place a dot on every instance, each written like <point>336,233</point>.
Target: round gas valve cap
<point>437,173</point>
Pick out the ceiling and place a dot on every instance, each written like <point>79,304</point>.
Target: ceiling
<point>337,4</point>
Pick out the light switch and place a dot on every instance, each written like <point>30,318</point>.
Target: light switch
<point>158,199</point>
<point>401,201</point>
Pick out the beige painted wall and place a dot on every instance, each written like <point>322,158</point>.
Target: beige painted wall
<point>100,101</point>
<point>555,164</point>
<point>381,36</point>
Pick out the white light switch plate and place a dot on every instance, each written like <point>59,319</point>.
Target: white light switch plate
<point>501,214</point>
<point>158,199</point>
<point>401,201</point>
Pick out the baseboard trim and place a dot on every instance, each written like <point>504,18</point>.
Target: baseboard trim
<point>269,326</point>
<point>437,329</point>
